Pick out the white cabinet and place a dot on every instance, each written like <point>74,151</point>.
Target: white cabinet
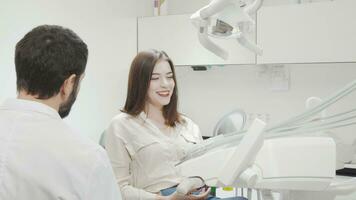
<point>308,33</point>
<point>178,37</point>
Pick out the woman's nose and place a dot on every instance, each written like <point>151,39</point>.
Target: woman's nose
<point>164,82</point>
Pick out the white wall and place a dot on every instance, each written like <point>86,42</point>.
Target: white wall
<point>109,29</point>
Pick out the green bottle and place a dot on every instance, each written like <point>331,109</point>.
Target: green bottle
<point>213,191</point>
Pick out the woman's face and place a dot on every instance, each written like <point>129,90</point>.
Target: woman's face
<point>161,85</point>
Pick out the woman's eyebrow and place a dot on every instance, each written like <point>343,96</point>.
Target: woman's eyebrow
<point>155,73</point>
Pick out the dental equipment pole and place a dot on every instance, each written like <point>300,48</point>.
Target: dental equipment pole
<point>317,109</point>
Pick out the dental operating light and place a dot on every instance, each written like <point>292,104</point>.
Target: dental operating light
<point>226,19</point>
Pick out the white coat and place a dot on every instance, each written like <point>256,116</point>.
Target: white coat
<point>41,158</point>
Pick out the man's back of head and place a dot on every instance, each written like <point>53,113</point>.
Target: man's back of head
<point>45,59</point>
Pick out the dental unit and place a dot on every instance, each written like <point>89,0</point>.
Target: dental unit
<point>274,159</point>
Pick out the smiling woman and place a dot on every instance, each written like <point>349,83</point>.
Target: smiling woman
<point>148,139</point>
<point>152,87</point>
<point>161,86</point>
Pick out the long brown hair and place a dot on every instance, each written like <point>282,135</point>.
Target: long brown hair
<point>139,81</point>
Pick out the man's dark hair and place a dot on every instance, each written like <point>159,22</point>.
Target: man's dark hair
<point>45,57</point>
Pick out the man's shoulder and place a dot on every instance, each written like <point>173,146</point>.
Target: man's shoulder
<point>84,143</point>
<point>87,156</point>
<point>81,145</point>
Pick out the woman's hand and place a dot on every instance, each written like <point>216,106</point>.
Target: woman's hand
<point>201,196</point>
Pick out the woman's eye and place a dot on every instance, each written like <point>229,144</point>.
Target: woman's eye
<point>154,78</point>
<point>170,77</point>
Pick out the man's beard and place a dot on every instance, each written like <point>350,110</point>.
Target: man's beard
<point>64,108</point>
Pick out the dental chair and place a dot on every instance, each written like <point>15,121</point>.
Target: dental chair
<point>230,122</point>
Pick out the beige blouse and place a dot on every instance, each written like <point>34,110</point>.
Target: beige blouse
<point>143,157</point>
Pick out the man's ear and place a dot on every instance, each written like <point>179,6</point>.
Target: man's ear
<point>68,86</point>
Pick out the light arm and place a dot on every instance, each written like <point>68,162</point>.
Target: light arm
<point>249,45</point>
<point>252,8</point>
<point>215,7</point>
<point>210,45</point>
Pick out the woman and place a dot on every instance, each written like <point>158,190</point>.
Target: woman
<point>149,137</point>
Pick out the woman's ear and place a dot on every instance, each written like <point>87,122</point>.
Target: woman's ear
<point>68,86</point>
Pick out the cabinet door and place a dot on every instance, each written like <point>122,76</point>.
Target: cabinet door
<point>178,37</point>
<point>308,33</point>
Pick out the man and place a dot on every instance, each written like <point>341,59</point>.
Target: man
<point>40,156</point>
